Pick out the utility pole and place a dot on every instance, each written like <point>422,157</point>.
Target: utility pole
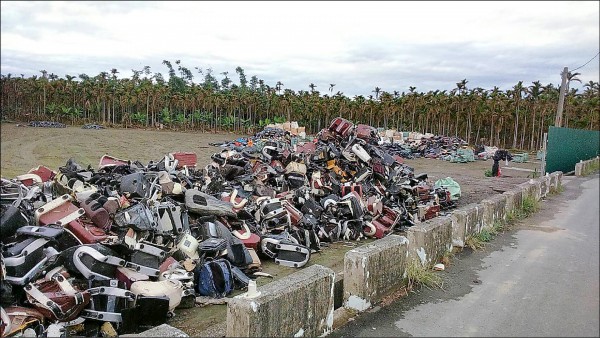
<point>561,99</point>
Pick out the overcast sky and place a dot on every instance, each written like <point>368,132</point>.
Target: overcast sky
<point>354,45</point>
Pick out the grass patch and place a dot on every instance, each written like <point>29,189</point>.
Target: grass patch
<point>511,217</point>
<point>530,206</point>
<point>534,174</point>
<point>419,275</point>
<point>592,168</point>
<point>487,173</point>
<point>477,241</point>
<point>485,235</point>
<point>499,226</point>
<point>557,190</point>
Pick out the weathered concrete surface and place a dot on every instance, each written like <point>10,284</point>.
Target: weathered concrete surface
<point>536,189</point>
<point>474,219</point>
<point>544,185</point>
<point>164,330</point>
<point>298,305</point>
<point>373,270</point>
<point>514,200</point>
<point>555,179</point>
<point>493,209</point>
<point>341,316</point>
<point>217,330</point>
<point>527,190</point>
<point>338,291</point>
<point>430,240</point>
<point>459,227</point>
<point>582,166</point>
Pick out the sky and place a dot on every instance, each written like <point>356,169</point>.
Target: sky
<point>355,45</point>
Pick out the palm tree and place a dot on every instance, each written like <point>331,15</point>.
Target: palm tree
<point>461,87</point>
<point>535,91</point>
<point>517,93</point>
<point>570,77</point>
<point>386,102</point>
<point>413,100</point>
<point>215,104</point>
<point>377,91</point>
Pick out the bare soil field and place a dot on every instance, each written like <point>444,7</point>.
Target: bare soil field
<point>23,148</point>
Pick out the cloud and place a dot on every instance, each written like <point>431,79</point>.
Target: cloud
<point>356,45</point>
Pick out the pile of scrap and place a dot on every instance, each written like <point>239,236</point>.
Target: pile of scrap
<point>118,248</point>
<point>414,145</point>
<point>46,124</point>
<point>292,127</point>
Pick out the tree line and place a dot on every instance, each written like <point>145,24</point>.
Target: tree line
<point>514,118</point>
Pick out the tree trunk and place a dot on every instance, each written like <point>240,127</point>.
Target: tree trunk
<point>516,128</point>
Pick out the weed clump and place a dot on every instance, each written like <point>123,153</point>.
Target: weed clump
<point>447,257</point>
<point>592,168</point>
<point>477,241</point>
<point>530,206</point>
<point>557,190</point>
<point>419,275</point>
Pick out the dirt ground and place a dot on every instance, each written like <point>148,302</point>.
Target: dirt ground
<point>23,148</point>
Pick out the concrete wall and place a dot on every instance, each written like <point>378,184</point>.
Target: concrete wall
<point>429,240</point>
<point>514,200</point>
<point>374,270</point>
<point>493,209</point>
<point>459,228</point>
<point>581,166</point>
<point>544,185</point>
<point>555,179</point>
<point>299,305</point>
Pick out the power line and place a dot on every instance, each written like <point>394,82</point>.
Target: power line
<point>586,62</point>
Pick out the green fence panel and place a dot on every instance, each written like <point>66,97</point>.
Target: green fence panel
<point>567,146</point>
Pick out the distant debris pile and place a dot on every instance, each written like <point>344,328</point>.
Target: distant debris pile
<point>47,124</point>
<point>92,126</point>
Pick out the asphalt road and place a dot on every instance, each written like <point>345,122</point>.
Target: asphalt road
<point>540,279</point>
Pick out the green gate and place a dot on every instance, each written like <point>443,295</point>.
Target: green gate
<point>567,146</point>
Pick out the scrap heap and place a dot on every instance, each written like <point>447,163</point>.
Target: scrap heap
<point>120,247</point>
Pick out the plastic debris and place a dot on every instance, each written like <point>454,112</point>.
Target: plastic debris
<point>134,239</point>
